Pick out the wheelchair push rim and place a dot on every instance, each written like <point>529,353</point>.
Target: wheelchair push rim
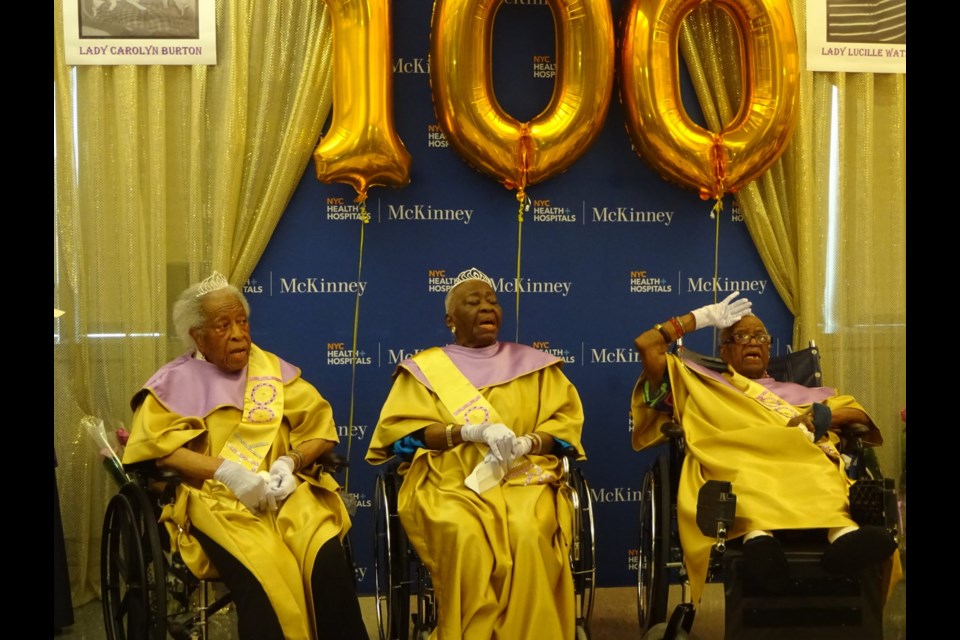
<point>583,552</point>
<point>391,585</point>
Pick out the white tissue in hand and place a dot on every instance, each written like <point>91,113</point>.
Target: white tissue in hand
<point>486,475</point>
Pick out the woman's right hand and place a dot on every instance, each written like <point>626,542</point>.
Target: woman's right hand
<point>249,487</point>
<point>498,436</point>
<point>724,313</point>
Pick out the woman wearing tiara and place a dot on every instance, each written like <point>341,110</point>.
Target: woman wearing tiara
<point>243,429</point>
<point>479,425</point>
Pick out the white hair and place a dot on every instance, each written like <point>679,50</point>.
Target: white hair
<point>188,310</point>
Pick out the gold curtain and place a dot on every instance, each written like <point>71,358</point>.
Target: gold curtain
<point>829,218</point>
<point>161,174</point>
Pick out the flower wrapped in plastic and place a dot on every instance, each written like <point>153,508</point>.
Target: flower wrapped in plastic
<point>105,449</point>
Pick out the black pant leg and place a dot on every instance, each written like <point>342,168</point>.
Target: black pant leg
<point>334,597</point>
<point>256,619</point>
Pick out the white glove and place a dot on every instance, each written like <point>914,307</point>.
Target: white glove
<point>282,482</point>
<point>722,314</point>
<point>499,437</point>
<point>523,446</point>
<point>250,488</point>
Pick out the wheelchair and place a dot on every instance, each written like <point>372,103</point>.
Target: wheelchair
<point>147,591</point>
<point>399,573</point>
<point>815,604</point>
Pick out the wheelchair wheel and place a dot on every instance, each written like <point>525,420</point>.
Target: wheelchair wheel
<point>583,551</point>
<point>132,572</point>
<point>654,549</point>
<point>426,619</point>
<point>391,575</point>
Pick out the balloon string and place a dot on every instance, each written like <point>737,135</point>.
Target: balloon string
<point>522,199</point>
<point>364,219</point>
<point>715,214</point>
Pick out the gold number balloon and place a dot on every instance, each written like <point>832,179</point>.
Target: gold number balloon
<point>661,130</point>
<point>362,147</point>
<point>517,153</point>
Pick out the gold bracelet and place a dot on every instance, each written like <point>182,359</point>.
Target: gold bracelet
<point>298,462</point>
<point>663,333</point>
<point>450,436</point>
<point>539,442</point>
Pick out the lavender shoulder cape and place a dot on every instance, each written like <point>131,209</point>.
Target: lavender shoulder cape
<point>488,366</point>
<point>191,387</point>
<point>792,392</point>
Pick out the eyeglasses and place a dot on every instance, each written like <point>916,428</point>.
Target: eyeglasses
<point>745,338</point>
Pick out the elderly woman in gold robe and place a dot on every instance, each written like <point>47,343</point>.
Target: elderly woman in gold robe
<point>479,425</point>
<point>243,429</point>
<point>772,440</point>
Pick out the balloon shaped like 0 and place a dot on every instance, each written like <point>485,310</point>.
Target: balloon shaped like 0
<point>362,147</point>
<point>661,130</point>
<point>461,80</point>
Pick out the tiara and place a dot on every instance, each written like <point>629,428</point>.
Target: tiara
<point>472,274</point>
<point>212,283</point>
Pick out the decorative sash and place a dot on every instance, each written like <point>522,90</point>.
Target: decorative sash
<point>262,412</point>
<point>764,397</point>
<point>771,401</point>
<point>457,394</point>
<point>467,405</point>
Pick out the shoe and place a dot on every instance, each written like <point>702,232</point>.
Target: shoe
<point>764,560</point>
<point>853,552</point>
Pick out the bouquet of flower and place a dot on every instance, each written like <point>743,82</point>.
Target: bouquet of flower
<point>105,449</point>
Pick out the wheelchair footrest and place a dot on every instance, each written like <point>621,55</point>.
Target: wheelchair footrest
<point>814,605</point>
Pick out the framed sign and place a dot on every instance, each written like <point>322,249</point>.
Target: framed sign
<point>112,32</point>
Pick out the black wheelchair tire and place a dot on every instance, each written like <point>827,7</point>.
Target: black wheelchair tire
<point>654,546</point>
<point>132,570</point>
<point>391,577</point>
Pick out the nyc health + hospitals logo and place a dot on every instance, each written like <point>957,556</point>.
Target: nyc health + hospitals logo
<point>645,281</point>
<point>545,211</point>
<point>340,209</point>
<point>338,354</point>
<point>555,350</point>
<point>252,286</point>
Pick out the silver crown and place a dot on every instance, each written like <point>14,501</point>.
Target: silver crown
<point>212,283</point>
<point>472,274</point>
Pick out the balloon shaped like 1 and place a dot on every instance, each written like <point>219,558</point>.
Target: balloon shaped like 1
<point>661,130</point>
<point>362,147</point>
<point>516,153</point>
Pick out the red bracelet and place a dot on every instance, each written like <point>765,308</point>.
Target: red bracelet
<point>677,326</point>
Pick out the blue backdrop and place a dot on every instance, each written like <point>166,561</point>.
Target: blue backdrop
<point>608,249</point>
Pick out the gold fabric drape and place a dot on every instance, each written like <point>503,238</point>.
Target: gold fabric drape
<point>163,173</point>
<point>828,218</point>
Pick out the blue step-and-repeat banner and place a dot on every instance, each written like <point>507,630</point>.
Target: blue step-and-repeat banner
<point>608,249</point>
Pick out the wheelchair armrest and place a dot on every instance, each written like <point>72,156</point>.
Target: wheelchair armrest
<point>854,430</point>
<point>851,438</point>
<point>671,430</point>
<point>331,461</point>
<point>149,470</point>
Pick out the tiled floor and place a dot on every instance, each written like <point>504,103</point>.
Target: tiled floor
<point>614,618</point>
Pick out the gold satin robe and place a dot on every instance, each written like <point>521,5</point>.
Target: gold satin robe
<point>499,560</point>
<point>278,547</point>
<point>780,478</point>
